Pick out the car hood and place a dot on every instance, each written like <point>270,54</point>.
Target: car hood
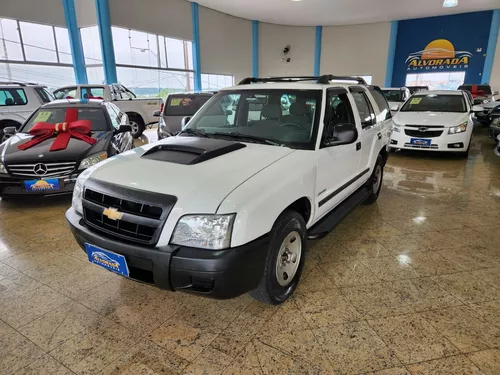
<point>76,150</point>
<point>490,105</point>
<point>446,119</point>
<point>202,184</point>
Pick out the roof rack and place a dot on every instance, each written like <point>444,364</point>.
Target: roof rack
<point>324,79</point>
<point>18,83</point>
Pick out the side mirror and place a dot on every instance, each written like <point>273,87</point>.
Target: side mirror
<point>341,134</point>
<point>395,107</point>
<point>10,130</point>
<point>185,121</point>
<point>477,108</point>
<point>156,114</point>
<point>496,93</point>
<point>124,129</point>
<point>228,112</point>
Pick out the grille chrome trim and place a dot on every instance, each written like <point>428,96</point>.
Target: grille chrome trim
<point>53,169</point>
<point>432,146</point>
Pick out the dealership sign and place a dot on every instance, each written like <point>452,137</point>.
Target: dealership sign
<point>438,54</point>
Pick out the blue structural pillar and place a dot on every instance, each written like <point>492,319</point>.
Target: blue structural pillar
<point>106,38</point>
<point>196,47</point>
<point>492,46</point>
<point>255,48</point>
<point>75,42</point>
<point>392,53</point>
<point>317,50</point>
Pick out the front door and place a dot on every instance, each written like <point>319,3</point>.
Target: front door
<point>338,166</point>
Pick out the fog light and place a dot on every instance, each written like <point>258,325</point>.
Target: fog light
<point>456,145</point>
<point>394,142</point>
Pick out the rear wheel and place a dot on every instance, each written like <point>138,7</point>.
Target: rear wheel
<point>137,124</point>
<point>285,259</point>
<point>375,181</point>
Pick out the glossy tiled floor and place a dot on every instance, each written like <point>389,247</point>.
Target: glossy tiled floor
<point>410,285</point>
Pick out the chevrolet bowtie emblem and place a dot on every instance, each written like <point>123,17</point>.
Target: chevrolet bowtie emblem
<point>112,213</point>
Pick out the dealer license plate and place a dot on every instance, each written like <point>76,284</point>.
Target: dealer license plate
<point>42,185</point>
<point>420,142</point>
<point>107,259</point>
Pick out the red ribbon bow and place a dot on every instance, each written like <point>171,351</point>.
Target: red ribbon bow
<point>71,127</point>
<point>475,92</point>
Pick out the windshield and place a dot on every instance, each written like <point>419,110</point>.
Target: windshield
<point>285,117</point>
<point>393,95</point>
<point>435,103</point>
<point>476,89</point>
<point>184,105</point>
<point>55,115</point>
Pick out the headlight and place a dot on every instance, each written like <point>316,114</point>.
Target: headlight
<point>485,101</point>
<point>93,160</point>
<point>2,169</point>
<point>77,197</point>
<point>396,128</point>
<point>211,232</point>
<point>458,129</point>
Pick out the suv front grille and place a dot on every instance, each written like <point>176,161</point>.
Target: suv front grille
<point>136,219</point>
<point>50,169</point>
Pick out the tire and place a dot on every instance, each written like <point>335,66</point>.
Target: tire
<point>276,285</point>
<point>375,181</point>
<point>138,125</point>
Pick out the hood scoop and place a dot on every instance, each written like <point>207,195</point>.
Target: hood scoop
<point>191,150</point>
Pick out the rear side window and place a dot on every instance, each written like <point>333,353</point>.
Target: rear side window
<point>12,96</point>
<point>66,93</point>
<point>364,108</point>
<point>92,93</point>
<point>44,94</point>
<point>184,105</point>
<point>382,103</point>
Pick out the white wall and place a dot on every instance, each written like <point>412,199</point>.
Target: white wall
<point>495,72</point>
<point>225,44</point>
<point>85,13</point>
<point>48,12</point>
<point>272,40</point>
<point>170,18</point>
<point>356,49</point>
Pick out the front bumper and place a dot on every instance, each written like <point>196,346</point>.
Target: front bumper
<point>14,186</point>
<point>443,143</point>
<point>217,274</point>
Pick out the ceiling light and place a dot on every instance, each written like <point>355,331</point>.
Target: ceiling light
<point>296,0</point>
<point>450,3</point>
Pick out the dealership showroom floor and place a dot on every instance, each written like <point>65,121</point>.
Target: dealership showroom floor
<point>410,285</point>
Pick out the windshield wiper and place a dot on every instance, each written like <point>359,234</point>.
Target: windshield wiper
<point>197,133</point>
<point>248,137</point>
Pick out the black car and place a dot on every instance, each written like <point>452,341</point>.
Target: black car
<point>38,170</point>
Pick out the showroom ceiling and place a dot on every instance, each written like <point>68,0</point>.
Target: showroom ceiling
<point>341,12</point>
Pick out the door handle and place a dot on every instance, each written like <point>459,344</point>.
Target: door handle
<point>379,135</point>
<point>358,146</point>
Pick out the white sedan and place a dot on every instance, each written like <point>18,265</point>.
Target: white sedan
<point>434,121</point>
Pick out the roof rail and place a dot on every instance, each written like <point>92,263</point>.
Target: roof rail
<point>18,83</point>
<point>324,79</point>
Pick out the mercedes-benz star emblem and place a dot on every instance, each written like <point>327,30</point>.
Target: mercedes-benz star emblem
<point>40,169</point>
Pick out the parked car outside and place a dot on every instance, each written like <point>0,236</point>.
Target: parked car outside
<point>138,110</point>
<point>18,100</point>
<point>235,197</point>
<point>481,94</point>
<point>435,121</point>
<point>80,135</point>
<point>175,108</point>
<point>396,96</point>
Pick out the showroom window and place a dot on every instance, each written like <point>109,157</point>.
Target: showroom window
<point>32,52</point>
<point>148,64</point>
<point>216,81</point>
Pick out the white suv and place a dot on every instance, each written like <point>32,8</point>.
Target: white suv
<point>19,100</point>
<point>227,206</point>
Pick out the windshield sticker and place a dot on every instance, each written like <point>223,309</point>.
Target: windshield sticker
<point>416,101</point>
<point>43,116</point>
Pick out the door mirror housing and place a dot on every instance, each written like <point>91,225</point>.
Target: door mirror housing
<point>477,108</point>
<point>10,130</point>
<point>340,134</point>
<point>395,107</point>
<point>185,121</point>
<point>496,93</point>
<point>124,129</point>
<point>156,114</point>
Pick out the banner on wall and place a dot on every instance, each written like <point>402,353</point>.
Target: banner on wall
<point>439,54</point>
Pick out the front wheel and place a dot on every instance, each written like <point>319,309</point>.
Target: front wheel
<point>285,259</point>
<point>375,181</point>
